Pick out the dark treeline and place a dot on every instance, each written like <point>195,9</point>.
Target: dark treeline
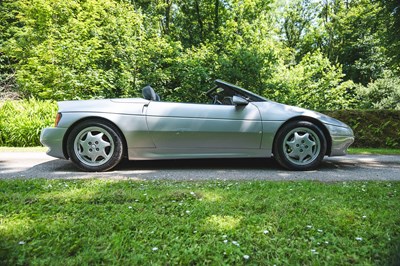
<point>329,54</point>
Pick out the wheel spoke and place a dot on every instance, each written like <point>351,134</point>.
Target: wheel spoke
<point>301,146</point>
<point>94,146</point>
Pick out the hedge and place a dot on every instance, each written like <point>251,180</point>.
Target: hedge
<point>372,128</point>
<point>22,121</point>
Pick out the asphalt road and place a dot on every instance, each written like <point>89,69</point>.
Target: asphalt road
<point>351,167</point>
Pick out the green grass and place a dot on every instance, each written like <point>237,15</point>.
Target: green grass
<point>71,222</point>
<point>380,151</point>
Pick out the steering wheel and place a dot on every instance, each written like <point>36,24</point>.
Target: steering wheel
<point>215,99</point>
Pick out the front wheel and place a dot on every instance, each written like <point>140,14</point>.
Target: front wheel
<point>300,145</point>
<point>95,146</point>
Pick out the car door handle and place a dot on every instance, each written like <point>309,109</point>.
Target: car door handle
<point>181,130</point>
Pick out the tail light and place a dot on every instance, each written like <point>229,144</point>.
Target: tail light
<point>58,118</point>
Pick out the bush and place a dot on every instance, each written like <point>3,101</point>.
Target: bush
<point>315,83</point>
<point>22,121</point>
<point>384,93</point>
<point>372,128</point>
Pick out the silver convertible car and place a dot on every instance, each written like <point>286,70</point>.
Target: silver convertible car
<point>236,123</point>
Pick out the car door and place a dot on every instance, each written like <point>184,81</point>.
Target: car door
<point>204,126</point>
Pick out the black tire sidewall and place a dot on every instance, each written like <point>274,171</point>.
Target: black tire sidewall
<point>118,146</point>
<point>278,146</point>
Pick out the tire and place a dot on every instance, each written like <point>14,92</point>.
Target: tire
<point>300,145</point>
<point>95,146</point>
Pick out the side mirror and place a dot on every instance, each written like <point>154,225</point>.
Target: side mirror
<point>239,101</point>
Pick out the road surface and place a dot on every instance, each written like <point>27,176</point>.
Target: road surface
<point>351,167</point>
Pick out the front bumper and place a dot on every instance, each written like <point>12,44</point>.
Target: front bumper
<point>52,137</point>
<point>342,138</point>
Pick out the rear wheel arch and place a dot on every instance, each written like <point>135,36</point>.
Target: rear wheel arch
<point>94,119</point>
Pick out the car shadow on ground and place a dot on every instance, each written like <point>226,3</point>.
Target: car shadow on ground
<point>196,168</point>
<point>190,164</point>
<point>253,164</point>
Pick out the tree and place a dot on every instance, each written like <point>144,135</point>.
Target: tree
<point>8,86</point>
<point>71,50</point>
<point>346,32</point>
<point>390,12</point>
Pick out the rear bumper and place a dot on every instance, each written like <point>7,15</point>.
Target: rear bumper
<point>53,139</point>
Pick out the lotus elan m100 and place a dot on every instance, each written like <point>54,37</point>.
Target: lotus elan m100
<point>235,123</point>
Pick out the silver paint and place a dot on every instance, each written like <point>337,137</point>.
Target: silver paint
<point>165,130</point>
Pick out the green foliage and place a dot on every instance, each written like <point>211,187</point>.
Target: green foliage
<point>304,52</point>
<point>71,50</point>
<point>391,13</point>
<point>313,83</point>
<point>347,32</point>
<point>383,93</point>
<point>90,222</point>
<point>372,128</point>
<point>22,121</point>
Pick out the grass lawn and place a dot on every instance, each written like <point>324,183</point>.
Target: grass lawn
<point>81,222</point>
<point>374,151</point>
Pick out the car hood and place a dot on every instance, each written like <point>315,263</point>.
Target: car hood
<point>272,111</point>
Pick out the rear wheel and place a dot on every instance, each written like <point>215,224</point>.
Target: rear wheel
<point>95,146</point>
<point>300,145</point>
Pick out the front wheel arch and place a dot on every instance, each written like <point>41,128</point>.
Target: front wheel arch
<point>314,121</point>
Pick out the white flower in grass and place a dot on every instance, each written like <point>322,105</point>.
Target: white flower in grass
<point>188,212</point>
<point>225,241</point>
<point>359,238</point>
<point>155,249</point>
<point>236,243</point>
<point>320,231</point>
<point>364,217</point>
<point>129,207</point>
<point>224,236</point>
<point>313,251</point>
<point>192,193</point>
<point>309,226</point>
<point>246,257</point>
<point>266,232</point>
<point>21,243</point>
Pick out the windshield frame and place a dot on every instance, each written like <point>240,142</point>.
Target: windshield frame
<point>236,90</point>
